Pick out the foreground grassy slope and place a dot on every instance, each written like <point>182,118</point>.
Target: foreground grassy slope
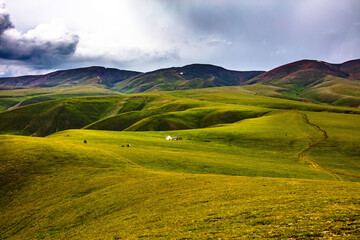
<point>273,171</point>
<point>59,187</point>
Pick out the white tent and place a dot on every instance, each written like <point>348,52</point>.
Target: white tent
<point>168,138</point>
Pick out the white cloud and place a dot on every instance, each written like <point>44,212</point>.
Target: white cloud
<point>54,31</point>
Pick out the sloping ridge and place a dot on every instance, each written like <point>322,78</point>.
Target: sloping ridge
<point>100,75</point>
<point>292,69</point>
<point>187,77</point>
<point>352,68</point>
<point>42,119</point>
<point>335,84</point>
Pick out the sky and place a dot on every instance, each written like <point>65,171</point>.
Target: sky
<point>41,36</point>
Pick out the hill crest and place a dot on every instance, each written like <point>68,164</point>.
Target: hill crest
<point>349,69</point>
<point>101,75</point>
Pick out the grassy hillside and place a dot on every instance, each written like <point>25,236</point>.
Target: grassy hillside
<point>253,163</point>
<point>188,77</point>
<point>249,96</point>
<point>252,147</point>
<point>13,98</point>
<point>48,117</point>
<point>341,144</point>
<point>336,84</point>
<point>190,109</point>
<point>336,91</point>
<point>266,177</point>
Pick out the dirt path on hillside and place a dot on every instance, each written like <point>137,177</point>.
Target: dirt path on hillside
<point>303,156</point>
<point>15,106</point>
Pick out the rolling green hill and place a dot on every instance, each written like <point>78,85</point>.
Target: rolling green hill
<point>188,77</point>
<point>14,98</point>
<point>100,81</point>
<point>91,81</point>
<point>272,159</point>
<point>149,111</point>
<point>266,177</point>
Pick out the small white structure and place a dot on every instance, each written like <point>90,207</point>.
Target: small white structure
<point>168,138</point>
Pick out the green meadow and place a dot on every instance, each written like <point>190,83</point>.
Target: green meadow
<point>11,98</point>
<point>251,165</point>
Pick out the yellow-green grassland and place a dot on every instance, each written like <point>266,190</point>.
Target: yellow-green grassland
<point>249,166</point>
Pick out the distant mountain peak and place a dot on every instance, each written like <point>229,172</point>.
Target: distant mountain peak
<point>350,69</point>
<point>109,76</point>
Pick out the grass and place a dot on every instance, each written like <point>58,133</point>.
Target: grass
<point>51,116</point>
<point>26,96</point>
<point>187,77</point>
<point>248,96</point>
<point>249,166</point>
<point>336,91</point>
<point>150,111</point>
<point>323,89</point>
<point>341,146</point>
<point>59,187</point>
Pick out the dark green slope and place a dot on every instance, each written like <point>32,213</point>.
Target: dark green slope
<point>45,118</point>
<point>188,77</point>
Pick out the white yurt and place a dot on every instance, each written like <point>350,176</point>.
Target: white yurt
<point>168,138</point>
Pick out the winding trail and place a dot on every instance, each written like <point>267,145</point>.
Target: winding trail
<point>303,156</point>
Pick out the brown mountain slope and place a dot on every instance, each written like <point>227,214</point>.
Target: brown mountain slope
<point>319,81</point>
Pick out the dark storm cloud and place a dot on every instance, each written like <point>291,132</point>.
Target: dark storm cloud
<point>34,48</point>
<point>5,22</point>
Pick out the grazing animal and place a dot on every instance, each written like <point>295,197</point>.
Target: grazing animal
<point>122,146</point>
<point>85,141</point>
<point>128,145</point>
<point>179,138</point>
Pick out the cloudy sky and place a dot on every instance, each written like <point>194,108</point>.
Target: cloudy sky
<point>39,36</point>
